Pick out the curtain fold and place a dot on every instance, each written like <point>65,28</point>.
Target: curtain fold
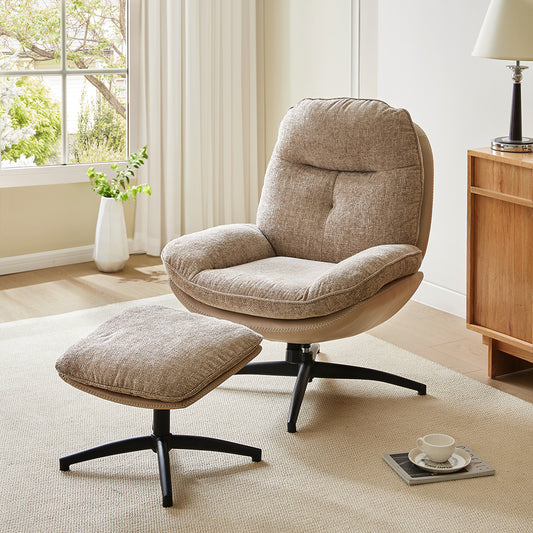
<point>193,101</point>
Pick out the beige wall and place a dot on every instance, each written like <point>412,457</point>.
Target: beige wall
<point>308,53</point>
<point>42,218</point>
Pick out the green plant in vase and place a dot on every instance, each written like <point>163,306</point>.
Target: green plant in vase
<point>111,249</point>
<point>119,187</point>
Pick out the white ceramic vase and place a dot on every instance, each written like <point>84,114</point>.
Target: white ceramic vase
<point>110,241</point>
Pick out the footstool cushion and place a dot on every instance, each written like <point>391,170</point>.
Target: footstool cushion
<point>158,357</point>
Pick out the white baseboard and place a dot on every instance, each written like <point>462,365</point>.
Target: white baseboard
<point>48,259</point>
<point>52,258</point>
<point>441,298</point>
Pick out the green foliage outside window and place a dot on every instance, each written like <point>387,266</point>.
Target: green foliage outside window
<point>35,107</point>
<point>101,134</point>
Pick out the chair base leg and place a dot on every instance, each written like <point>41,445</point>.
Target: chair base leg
<point>303,378</point>
<point>161,441</point>
<point>300,362</point>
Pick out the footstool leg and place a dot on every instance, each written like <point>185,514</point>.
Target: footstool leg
<point>164,472</point>
<point>113,448</point>
<point>190,442</point>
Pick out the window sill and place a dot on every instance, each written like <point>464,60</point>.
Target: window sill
<point>49,175</point>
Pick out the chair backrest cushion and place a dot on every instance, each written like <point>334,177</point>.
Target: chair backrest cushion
<point>346,174</point>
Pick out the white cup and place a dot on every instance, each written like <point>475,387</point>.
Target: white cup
<point>438,447</point>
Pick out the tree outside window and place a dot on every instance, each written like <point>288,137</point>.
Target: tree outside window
<point>63,82</point>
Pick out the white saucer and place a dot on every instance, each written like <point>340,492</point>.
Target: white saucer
<point>457,461</point>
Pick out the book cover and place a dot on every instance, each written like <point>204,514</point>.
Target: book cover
<point>413,475</point>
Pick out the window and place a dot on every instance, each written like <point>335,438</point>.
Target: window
<point>63,82</point>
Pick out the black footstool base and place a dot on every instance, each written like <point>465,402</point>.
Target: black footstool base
<point>161,442</point>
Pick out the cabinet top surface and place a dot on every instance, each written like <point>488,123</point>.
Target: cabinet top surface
<point>509,158</point>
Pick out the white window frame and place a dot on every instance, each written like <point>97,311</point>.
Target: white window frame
<point>65,172</point>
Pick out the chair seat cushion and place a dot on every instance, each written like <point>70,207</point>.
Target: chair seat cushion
<point>288,287</point>
<point>158,357</point>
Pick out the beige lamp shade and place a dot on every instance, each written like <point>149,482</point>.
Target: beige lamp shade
<point>507,31</point>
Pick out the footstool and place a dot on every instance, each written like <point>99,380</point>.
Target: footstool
<point>158,358</point>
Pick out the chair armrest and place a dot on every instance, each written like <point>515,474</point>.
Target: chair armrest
<point>363,274</point>
<point>218,247</point>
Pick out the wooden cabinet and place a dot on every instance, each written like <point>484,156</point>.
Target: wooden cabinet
<point>500,256</point>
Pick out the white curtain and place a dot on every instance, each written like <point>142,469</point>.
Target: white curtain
<point>194,102</point>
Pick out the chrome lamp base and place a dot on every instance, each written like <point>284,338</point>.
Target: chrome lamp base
<point>506,144</point>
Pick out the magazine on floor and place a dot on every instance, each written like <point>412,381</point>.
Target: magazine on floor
<point>414,475</point>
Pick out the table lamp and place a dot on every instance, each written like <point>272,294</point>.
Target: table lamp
<point>507,33</point>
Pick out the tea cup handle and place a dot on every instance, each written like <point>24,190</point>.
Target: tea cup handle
<point>419,442</point>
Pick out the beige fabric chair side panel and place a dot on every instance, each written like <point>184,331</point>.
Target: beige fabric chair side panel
<point>427,203</point>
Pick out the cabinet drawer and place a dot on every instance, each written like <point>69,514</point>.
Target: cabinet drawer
<point>493,176</point>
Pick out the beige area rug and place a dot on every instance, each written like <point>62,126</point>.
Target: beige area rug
<point>328,477</point>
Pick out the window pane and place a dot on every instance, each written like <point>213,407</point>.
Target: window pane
<point>96,125</point>
<point>30,121</point>
<point>38,124</point>
<point>30,36</point>
<point>96,34</point>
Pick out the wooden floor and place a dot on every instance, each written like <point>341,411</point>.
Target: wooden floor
<point>425,331</point>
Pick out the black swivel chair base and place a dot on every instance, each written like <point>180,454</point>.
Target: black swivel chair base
<point>300,362</point>
<point>161,442</point>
